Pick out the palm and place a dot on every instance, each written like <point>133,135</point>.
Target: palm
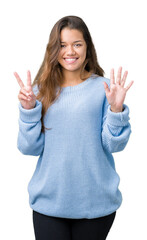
<point>117,93</point>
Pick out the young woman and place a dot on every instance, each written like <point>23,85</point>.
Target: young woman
<point>73,118</point>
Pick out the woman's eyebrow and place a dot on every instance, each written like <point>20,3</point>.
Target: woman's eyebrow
<point>74,41</point>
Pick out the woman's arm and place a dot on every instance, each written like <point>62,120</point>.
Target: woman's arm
<point>30,139</point>
<point>116,128</point>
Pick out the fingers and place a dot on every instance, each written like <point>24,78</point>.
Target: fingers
<point>129,85</point>
<point>25,92</point>
<point>118,79</point>
<point>29,79</point>
<point>124,78</point>
<point>18,80</point>
<point>112,78</point>
<point>24,95</point>
<point>29,85</point>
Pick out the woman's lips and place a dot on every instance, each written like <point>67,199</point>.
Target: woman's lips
<point>70,60</point>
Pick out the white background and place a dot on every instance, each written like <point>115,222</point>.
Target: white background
<point>118,30</point>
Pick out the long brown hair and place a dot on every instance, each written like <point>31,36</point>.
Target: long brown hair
<point>49,76</point>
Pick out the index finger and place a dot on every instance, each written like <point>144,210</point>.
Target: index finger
<point>18,80</point>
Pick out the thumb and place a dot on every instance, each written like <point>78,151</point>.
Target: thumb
<point>106,87</point>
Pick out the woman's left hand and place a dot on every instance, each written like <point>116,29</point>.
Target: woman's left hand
<point>117,93</point>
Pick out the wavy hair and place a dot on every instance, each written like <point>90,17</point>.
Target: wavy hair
<point>49,76</point>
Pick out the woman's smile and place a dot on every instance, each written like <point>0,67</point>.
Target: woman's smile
<point>70,60</point>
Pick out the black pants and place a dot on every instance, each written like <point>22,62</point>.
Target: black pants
<point>54,228</point>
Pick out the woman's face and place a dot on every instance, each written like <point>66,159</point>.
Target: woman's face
<point>73,50</point>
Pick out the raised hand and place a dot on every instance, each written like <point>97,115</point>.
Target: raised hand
<point>117,92</point>
<point>26,95</point>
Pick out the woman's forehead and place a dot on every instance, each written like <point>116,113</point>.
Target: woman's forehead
<point>71,34</point>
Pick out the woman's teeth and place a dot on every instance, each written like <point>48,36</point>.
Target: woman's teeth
<point>70,60</point>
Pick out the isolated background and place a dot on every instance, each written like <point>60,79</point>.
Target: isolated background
<point>118,30</point>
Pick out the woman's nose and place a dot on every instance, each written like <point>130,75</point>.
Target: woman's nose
<point>70,50</point>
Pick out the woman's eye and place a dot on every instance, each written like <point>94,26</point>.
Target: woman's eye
<point>78,45</point>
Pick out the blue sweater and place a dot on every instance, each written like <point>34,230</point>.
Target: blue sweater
<point>75,176</point>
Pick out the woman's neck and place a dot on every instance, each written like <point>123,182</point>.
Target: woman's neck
<point>72,78</point>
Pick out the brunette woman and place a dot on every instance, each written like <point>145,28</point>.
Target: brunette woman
<point>73,118</point>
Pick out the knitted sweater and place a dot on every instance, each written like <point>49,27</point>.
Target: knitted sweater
<point>75,175</point>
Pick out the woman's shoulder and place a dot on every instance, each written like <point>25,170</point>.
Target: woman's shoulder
<point>100,79</point>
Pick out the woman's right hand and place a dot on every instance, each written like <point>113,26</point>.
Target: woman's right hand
<point>26,96</point>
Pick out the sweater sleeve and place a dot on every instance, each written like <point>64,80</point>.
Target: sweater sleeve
<point>116,128</point>
<point>30,139</point>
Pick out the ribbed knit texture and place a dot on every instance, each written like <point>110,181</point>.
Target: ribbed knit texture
<point>75,176</point>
